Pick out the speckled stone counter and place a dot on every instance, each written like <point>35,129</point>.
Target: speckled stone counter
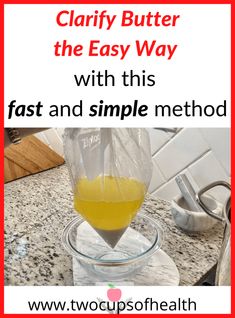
<point>38,207</point>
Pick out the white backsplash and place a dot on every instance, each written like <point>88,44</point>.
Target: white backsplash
<point>202,153</point>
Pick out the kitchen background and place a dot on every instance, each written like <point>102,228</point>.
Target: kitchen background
<point>203,154</point>
<point>38,207</point>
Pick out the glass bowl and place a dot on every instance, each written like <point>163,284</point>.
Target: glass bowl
<point>140,241</point>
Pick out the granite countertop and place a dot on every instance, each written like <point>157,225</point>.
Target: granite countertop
<point>38,207</point>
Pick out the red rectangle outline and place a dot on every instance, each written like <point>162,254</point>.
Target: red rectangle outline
<point>231,2</point>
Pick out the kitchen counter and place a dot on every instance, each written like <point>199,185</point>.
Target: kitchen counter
<point>38,207</point>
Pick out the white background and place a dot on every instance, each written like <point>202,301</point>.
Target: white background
<point>218,302</point>
<point>199,69</point>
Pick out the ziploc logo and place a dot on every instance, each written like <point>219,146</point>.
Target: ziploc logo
<point>90,139</point>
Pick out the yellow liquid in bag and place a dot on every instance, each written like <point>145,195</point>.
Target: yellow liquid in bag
<point>109,203</point>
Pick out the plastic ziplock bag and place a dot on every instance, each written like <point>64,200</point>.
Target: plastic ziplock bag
<point>110,171</point>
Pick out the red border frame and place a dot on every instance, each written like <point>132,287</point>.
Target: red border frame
<point>2,2</point>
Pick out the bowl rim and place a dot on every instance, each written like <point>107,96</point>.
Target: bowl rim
<point>155,246</point>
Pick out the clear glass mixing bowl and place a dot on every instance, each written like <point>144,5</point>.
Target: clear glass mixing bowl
<point>140,241</point>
